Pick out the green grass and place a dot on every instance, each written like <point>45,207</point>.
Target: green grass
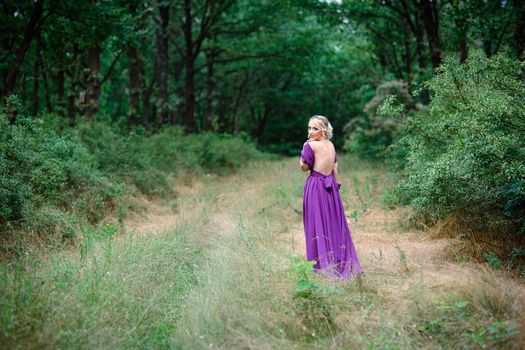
<point>229,277</point>
<point>108,294</point>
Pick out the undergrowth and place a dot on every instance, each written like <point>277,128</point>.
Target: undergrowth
<point>103,295</point>
<point>54,179</point>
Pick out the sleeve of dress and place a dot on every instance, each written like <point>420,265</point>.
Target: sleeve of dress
<point>307,154</point>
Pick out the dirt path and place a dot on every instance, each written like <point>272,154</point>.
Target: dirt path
<point>397,262</point>
<point>385,247</point>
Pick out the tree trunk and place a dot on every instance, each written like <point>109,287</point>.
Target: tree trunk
<point>463,49</point>
<point>179,90</point>
<point>71,108</point>
<point>134,76</point>
<point>60,82</point>
<point>210,86</point>
<point>431,22</point>
<point>420,46</point>
<point>72,91</point>
<point>162,59</point>
<point>7,44</point>
<point>45,80</point>
<point>417,30</point>
<point>461,25</point>
<point>487,47</point>
<point>30,32</point>
<point>237,103</point>
<point>260,121</point>
<point>145,103</point>
<point>222,113</point>
<point>147,90</point>
<point>92,94</point>
<point>519,33</point>
<point>189,93</point>
<point>407,58</point>
<point>134,85</point>
<point>35,103</point>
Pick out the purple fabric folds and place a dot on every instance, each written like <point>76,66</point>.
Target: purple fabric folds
<point>328,238</point>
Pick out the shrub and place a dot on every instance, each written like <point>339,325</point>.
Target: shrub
<point>465,152</point>
<point>54,177</point>
<point>146,161</point>
<point>40,170</point>
<point>124,155</point>
<point>370,135</point>
<point>223,153</point>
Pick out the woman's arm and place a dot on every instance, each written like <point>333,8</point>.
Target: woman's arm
<point>303,165</point>
<point>334,172</point>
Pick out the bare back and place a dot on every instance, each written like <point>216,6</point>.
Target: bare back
<point>324,152</point>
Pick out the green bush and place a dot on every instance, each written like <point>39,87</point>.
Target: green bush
<point>465,152</point>
<point>146,161</point>
<point>54,177</point>
<point>42,172</point>
<point>370,134</point>
<point>221,153</point>
<point>124,155</point>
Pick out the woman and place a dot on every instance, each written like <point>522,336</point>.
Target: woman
<point>328,239</point>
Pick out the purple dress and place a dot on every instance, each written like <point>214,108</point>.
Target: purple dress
<point>328,239</point>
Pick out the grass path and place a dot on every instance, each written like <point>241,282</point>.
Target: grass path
<point>413,290</point>
<point>215,269</point>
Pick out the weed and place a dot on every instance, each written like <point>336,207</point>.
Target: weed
<point>493,260</point>
<point>354,215</point>
<point>311,306</point>
<point>389,199</point>
<point>403,258</point>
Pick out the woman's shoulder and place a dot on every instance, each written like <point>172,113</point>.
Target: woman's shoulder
<point>321,144</point>
<point>314,144</point>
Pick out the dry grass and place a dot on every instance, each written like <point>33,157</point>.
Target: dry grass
<point>467,241</point>
<point>242,235</point>
<point>245,300</point>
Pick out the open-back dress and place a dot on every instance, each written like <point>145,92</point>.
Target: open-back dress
<point>328,239</point>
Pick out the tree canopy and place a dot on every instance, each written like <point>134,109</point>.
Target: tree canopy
<point>259,67</point>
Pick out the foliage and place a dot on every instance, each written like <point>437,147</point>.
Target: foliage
<point>453,323</point>
<point>53,300</point>
<point>493,260</point>
<point>465,151</point>
<point>311,306</point>
<point>42,172</point>
<point>51,181</point>
<point>514,260</point>
<point>369,135</point>
<point>146,161</point>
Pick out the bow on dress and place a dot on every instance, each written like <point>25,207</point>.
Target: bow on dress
<point>328,180</point>
<point>330,183</point>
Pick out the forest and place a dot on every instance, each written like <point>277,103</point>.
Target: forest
<point>110,108</point>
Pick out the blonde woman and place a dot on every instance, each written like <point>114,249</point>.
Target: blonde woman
<point>328,239</point>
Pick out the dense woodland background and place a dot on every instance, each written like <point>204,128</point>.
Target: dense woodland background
<point>119,120</point>
<point>232,66</point>
<point>98,94</point>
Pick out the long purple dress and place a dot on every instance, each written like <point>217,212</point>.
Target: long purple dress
<point>328,239</point>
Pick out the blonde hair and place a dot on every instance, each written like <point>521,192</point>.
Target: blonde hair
<point>322,123</point>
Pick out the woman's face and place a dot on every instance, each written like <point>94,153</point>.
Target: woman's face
<point>314,134</point>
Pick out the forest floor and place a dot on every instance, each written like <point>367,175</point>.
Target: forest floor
<point>218,268</point>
